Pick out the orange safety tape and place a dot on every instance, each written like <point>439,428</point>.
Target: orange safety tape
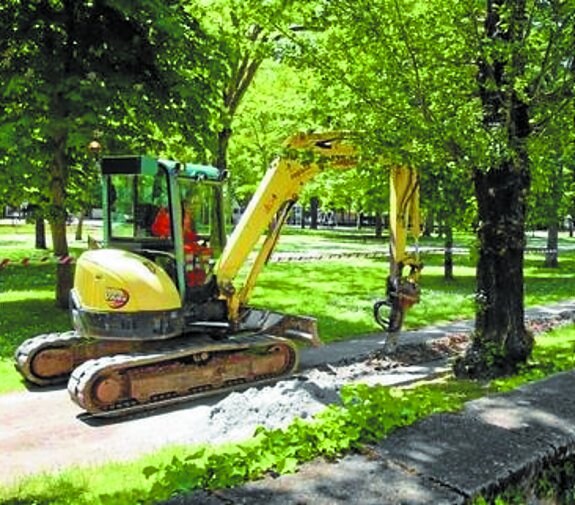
<point>63,260</point>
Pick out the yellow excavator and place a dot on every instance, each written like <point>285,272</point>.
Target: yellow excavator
<point>161,312</point>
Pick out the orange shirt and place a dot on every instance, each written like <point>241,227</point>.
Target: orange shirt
<point>161,225</point>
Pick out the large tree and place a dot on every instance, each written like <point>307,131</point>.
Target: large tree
<point>469,83</point>
<point>136,71</point>
<point>524,44</point>
<point>501,339</point>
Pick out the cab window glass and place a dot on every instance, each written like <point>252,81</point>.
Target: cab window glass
<point>197,207</point>
<point>135,201</point>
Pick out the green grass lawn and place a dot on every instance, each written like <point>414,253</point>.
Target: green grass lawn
<point>339,293</point>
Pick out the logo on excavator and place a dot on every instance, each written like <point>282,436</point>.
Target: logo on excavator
<point>116,298</point>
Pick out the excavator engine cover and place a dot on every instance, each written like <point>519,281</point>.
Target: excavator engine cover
<point>120,295</point>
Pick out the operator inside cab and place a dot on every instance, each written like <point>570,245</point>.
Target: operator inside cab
<point>196,249</point>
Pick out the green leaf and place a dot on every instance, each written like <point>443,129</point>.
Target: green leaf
<point>149,471</point>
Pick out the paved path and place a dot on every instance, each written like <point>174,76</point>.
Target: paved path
<point>45,431</point>
<point>363,345</point>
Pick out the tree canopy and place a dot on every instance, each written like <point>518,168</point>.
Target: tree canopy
<point>132,74</point>
<point>478,96</point>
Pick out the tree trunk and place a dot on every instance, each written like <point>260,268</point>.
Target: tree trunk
<point>556,190</point>
<point>429,220</point>
<point>218,240</point>
<point>224,136</point>
<point>59,177</point>
<point>501,341</point>
<point>64,273</point>
<point>448,255</point>
<point>552,252</point>
<point>378,225</point>
<point>314,208</point>
<point>440,228</point>
<point>40,233</point>
<point>79,225</point>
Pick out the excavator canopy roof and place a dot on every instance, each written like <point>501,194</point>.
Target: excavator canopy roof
<point>147,165</point>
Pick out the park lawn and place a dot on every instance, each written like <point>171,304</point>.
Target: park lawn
<point>27,294</point>
<point>27,310</point>
<point>339,293</point>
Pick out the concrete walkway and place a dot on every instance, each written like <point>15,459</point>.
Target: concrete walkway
<point>444,459</point>
<point>338,351</point>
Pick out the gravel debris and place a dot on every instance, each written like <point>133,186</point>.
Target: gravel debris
<point>275,406</point>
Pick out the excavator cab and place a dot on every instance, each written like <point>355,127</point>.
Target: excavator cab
<point>165,211</point>
<point>154,277</point>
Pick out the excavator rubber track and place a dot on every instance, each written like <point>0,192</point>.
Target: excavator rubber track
<point>120,385</point>
<point>52,347</point>
<point>49,359</point>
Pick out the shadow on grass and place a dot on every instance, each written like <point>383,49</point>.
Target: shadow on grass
<point>11,243</point>
<point>57,491</point>
<point>23,319</point>
<point>35,276</point>
<point>566,264</point>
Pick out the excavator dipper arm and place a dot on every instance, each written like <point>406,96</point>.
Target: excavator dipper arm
<point>402,290</point>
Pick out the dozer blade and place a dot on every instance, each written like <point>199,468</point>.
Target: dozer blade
<point>300,328</point>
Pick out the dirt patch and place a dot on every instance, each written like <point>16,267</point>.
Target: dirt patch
<point>310,392</point>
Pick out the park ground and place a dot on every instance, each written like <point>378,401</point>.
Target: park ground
<point>338,283</point>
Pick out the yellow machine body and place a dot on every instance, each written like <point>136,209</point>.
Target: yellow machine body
<point>121,281</point>
<point>120,295</point>
<point>147,286</point>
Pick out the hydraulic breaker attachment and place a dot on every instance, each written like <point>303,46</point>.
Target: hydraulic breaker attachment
<point>402,291</point>
<point>402,294</point>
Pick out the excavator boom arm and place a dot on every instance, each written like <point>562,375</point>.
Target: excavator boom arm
<point>281,184</point>
<point>306,156</point>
